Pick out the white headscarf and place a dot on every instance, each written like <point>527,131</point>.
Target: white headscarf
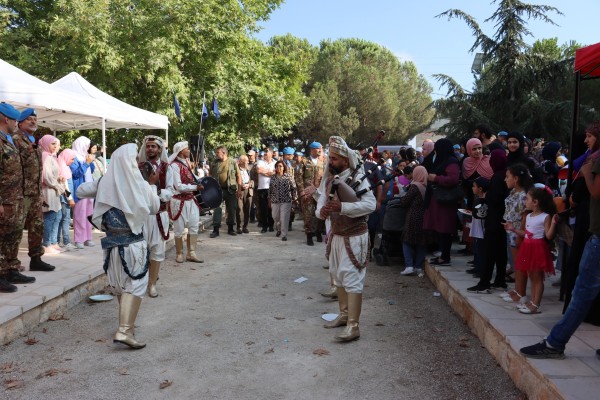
<point>81,146</point>
<point>159,142</point>
<point>176,149</point>
<point>338,146</point>
<point>123,187</point>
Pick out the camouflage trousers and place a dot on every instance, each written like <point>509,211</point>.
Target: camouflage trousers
<point>11,233</point>
<point>312,224</point>
<point>33,221</point>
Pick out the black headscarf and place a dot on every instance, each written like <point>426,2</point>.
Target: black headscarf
<point>518,156</point>
<point>444,156</point>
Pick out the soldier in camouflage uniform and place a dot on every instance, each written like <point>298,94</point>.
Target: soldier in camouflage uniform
<point>308,180</point>
<point>11,203</point>
<point>31,160</point>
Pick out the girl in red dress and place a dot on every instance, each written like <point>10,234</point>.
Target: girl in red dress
<point>534,256</point>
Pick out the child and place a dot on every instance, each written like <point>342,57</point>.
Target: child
<point>518,181</point>
<point>65,159</point>
<point>534,257</point>
<point>480,187</point>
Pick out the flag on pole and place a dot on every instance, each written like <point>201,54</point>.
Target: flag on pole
<point>215,108</point>
<point>204,112</point>
<point>177,108</point>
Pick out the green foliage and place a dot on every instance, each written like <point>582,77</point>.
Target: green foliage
<point>522,87</point>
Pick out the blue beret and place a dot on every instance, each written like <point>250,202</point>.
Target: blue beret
<point>288,150</point>
<point>26,113</point>
<point>502,133</point>
<point>299,153</point>
<point>262,153</point>
<point>456,146</point>
<point>9,111</point>
<point>315,145</point>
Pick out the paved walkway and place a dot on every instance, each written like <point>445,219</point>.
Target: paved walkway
<point>498,325</point>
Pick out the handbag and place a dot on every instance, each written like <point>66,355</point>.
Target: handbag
<point>448,195</point>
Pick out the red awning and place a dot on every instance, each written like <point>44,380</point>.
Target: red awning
<point>587,61</point>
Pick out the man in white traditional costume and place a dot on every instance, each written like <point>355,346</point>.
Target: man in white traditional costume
<point>184,208</point>
<point>154,165</point>
<point>123,202</point>
<point>348,244</point>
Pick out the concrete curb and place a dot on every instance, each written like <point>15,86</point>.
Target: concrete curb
<point>526,376</point>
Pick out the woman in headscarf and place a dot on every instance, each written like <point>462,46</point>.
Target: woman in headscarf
<point>413,238</point>
<point>441,218</point>
<point>123,202</point>
<point>474,166</point>
<point>428,154</point>
<point>52,189</point>
<point>65,159</point>
<point>82,170</point>
<point>494,239</point>
<point>550,152</point>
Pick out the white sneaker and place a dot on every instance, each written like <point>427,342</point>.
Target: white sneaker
<point>437,253</point>
<point>57,247</point>
<point>50,250</point>
<point>70,247</point>
<point>79,245</point>
<point>408,271</point>
<point>89,243</point>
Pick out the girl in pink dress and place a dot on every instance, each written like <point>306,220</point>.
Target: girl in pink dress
<point>534,256</point>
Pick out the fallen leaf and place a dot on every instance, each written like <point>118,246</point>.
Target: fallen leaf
<point>249,343</point>
<point>58,317</point>
<point>315,375</point>
<point>265,286</point>
<point>68,359</point>
<point>463,344</point>
<point>31,341</point>
<point>6,367</point>
<point>271,350</point>
<point>193,269</point>
<point>45,330</point>
<point>464,338</point>
<point>279,318</point>
<point>321,352</point>
<point>10,384</point>
<point>124,371</point>
<point>165,384</point>
<point>50,372</point>
<point>309,298</point>
<point>438,329</point>
<point>418,316</point>
<point>207,334</point>
<point>101,340</point>
<point>282,294</point>
<point>458,373</point>
<point>380,324</point>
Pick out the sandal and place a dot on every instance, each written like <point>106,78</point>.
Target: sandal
<point>529,308</point>
<point>512,296</point>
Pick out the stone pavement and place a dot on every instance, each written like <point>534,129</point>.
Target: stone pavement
<point>501,329</point>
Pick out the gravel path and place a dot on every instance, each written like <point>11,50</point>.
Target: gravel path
<point>234,328</point>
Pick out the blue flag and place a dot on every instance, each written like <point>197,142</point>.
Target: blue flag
<point>177,108</point>
<point>204,112</point>
<point>215,108</point>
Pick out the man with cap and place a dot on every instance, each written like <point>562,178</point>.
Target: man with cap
<point>31,160</point>
<point>225,170</point>
<point>153,161</point>
<point>308,180</point>
<point>348,244</point>
<point>11,202</point>
<point>184,208</point>
<point>502,138</point>
<point>275,154</point>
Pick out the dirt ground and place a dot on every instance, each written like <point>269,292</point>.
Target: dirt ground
<point>238,327</point>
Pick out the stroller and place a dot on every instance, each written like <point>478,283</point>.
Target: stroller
<point>390,243</point>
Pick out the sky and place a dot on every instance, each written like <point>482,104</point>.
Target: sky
<point>411,31</point>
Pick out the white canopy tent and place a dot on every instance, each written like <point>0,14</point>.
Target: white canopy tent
<point>61,109</point>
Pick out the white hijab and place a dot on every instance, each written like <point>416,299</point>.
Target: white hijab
<point>123,187</point>
<point>81,146</point>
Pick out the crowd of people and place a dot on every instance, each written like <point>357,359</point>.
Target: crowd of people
<point>506,195</point>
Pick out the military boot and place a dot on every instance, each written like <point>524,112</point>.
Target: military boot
<point>309,240</point>
<point>37,264</point>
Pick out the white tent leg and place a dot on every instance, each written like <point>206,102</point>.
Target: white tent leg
<point>104,142</point>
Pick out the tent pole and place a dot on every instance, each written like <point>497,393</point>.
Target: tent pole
<point>575,125</point>
<point>104,142</point>
<point>167,138</point>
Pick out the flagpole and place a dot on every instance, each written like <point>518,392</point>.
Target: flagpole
<point>198,162</point>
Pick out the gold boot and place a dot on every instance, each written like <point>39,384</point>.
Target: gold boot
<point>331,293</point>
<point>191,249</point>
<point>179,249</point>
<point>128,311</point>
<point>341,319</point>
<point>351,331</point>
<point>153,277</point>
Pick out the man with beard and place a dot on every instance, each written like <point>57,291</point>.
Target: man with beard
<point>31,160</point>
<point>156,230</point>
<point>184,209</point>
<point>11,203</point>
<point>307,181</point>
<point>348,244</point>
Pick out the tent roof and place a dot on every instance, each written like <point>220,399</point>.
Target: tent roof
<point>587,61</point>
<point>130,116</point>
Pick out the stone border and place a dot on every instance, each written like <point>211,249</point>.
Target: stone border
<point>524,375</point>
